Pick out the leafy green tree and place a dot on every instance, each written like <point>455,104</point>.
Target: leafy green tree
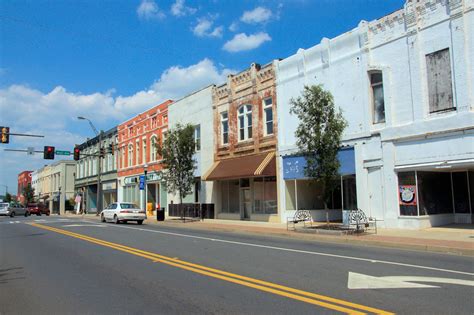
<point>29,193</point>
<point>8,197</point>
<point>177,151</point>
<point>319,135</point>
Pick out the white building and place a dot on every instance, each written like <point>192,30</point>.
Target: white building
<point>196,109</point>
<point>405,85</point>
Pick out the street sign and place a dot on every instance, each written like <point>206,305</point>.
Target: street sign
<point>30,151</point>
<point>142,182</point>
<point>58,152</point>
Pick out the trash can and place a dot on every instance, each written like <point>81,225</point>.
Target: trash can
<point>160,214</point>
<point>346,217</point>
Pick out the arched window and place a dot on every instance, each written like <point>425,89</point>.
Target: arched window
<point>245,122</point>
<point>130,155</point>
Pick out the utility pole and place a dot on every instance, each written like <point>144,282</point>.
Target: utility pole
<point>99,184</point>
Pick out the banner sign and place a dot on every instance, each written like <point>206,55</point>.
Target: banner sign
<point>407,195</point>
<point>142,182</point>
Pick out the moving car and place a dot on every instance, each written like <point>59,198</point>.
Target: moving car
<point>38,208</point>
<point>13,209</point>
<point>118,212</point>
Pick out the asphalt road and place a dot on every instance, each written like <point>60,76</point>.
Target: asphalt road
<point>53,265</point>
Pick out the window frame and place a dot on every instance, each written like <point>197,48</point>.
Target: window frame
<point>224,120</point>
<point>372,96</point>
<point>265,108</point>
<point>246,116</point>
<point>130,155</point>
<point>197,138</point>
<point>431,109</point>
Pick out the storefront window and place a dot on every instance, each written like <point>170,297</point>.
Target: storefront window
<point>230,196</point>
<point>460,192</point>
<point>258,197</point>
<point>349,192</point>
<point>407,193</point>
<point>270,191</point>
<point>435,195</point>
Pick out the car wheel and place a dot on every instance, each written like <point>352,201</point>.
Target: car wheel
<point>140,222</point>
<point>12,214</point>
<point>116,220</point>
<point>47,214</point>
<point>102,218</point>
<point>38,214</point>
<point>26,213</point>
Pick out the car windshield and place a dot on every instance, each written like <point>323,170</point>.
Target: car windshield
<point>128,206</point>
<point>3,205</point>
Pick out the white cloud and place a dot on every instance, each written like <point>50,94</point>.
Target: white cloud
<point>204,28</point>
<point>180,9</point>
<point>149,10</point>
<point>234,26</point>
<point>257,15</point>
<point>242,42</point>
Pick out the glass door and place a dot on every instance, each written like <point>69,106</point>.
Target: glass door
<point>245,203</point>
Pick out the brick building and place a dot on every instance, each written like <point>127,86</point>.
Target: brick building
<point>137,153</point>
<point>245,129</point>
<point>24,178</point>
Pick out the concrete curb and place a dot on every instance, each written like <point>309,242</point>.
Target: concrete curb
<point>325,238</point>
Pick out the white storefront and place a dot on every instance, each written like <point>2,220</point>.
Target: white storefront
<point>404,83</point>
<point>196,109</point>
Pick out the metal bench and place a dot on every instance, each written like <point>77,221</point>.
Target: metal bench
<point>300,216</point>
<point>360,222</point>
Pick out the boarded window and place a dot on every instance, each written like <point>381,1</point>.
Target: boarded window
<point>439,81</point>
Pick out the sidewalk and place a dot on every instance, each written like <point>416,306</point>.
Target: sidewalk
<point>452,239</point>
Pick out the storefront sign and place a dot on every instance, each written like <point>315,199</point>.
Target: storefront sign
<point>153,177</point>
<point>109,186</point>
<point>407,194</point>
<point>130,180</point>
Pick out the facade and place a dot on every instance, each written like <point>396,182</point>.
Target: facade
<point>54,185</point>
<point>137,153</point>
<point>404,83</point>
<point>196,109</point>
<point>87,168</point>
<point>24,178</point>
<point>245,142</point>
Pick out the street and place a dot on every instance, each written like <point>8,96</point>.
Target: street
<point>58,265</point>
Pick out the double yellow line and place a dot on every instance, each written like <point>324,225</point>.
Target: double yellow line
<point>299,295</point>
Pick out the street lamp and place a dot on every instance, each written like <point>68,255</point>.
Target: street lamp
<point>99,184</point>
<point>145,171</point>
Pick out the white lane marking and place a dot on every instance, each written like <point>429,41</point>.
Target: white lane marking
<point>64,220</point>
<point>361,281</point>
<point>80,225</point>
<point>13,222</point>
<point>40,220</point>
<point>298,250</point>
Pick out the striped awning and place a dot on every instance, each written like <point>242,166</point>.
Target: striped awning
<point>241,167</point>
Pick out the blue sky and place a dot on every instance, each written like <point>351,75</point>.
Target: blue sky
<point>109,60</point>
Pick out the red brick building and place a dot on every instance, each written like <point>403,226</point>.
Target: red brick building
<point>24,178</point>
<point>137,153</point>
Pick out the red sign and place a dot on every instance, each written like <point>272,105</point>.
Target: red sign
<point>407,195</point>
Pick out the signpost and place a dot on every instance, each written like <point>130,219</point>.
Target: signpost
<point>142,182</point>
<point>59,152</point>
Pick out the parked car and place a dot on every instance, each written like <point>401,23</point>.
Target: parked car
<point>14,209</point>
<point>118,212</point>
<point>38,208</point>
<point>4,208</point>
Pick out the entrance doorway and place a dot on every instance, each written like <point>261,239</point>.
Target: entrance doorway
<point>245,203</point>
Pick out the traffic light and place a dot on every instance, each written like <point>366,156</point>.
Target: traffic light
<point>102,152</point>
<point>77,154</point>
<point>48,153</point>
<point>5,134</point>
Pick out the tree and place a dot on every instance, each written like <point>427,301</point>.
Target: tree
<point>29,193</point>
<point>319,136</point>
<point>8,197</point>
<point>177,151</point>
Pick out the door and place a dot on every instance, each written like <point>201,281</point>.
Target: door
<point>375,190</point>
<point>245,203</point>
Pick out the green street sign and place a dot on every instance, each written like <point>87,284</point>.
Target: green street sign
<point>58,152</point>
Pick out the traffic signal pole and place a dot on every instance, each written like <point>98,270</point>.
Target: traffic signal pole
<point>99,183</point>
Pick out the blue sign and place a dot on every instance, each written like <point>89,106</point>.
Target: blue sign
<point>142,182</point>
<point>293,166</point>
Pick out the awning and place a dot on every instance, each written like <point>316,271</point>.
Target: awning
<point>246,166</point>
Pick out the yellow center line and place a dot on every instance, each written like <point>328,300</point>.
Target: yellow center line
<point>292,293</point>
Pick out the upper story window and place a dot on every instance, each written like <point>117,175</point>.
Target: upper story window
<point>153,145</point>
<point>378,103</point>
<point>245,122</point>
<point>130,132</point>
<point>153,122</point>
<point>440,89</point>
<point>137,152</point>
<point>225,128</point>
<point>268,113</point>
<point>144,151</point>
<point>130,155</point>
<point>197,137</point>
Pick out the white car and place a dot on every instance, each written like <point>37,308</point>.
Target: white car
<point>118,212</point>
